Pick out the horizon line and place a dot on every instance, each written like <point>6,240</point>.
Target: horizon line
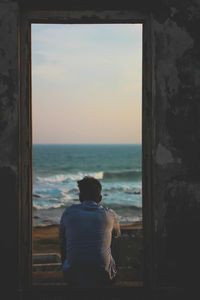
<point>87,143</point>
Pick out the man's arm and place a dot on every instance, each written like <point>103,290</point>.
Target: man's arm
<point>62,240</point>
<point>116,226</point>
<point>115,241</point>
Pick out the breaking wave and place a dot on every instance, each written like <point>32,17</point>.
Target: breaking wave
<point>48,206</point>
<point>123,174</point>
<point>107,175</point>
<point>68,177</point>
<point>62,204</point>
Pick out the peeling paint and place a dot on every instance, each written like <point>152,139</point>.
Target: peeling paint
<point>163,155</point>
<point>172,45</point>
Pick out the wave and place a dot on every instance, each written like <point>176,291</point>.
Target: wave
<point>123,219</point>
<point>48,206</point>
<point>70,191</point>
<point>68,177</point>
<point>115,206</point>
<point>123,189</point>
<point>123,174</point>
<point>113,189</point>
<point>107,175</point>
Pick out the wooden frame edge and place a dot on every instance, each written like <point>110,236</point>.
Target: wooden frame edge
<point>84,17</point>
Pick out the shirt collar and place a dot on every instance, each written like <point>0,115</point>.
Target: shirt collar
<point>89,203</point>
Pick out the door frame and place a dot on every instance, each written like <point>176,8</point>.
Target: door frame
<point>148,133</point>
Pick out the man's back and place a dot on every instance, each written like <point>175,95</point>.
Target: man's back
<point>87,229</point>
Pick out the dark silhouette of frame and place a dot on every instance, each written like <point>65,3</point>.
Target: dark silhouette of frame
<point>25,245</point>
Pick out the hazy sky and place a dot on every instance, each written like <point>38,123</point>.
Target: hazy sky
<point>87,83</point>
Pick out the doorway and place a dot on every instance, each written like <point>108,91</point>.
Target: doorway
<point>103,17</point>
<point>87,119</point>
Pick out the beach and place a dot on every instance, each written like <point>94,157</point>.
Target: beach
<point>56,171</point>
<point>46,241</point>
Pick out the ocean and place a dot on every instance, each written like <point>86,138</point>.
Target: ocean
<point>56,169</point>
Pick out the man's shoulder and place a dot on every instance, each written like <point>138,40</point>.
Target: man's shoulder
<point>109,211</point>
<point>78,207</point>
<point>71,208</point>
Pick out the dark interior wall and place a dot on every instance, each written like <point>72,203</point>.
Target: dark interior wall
<point>9,136</point>
<point>176,90</point>
<point>176,47</point>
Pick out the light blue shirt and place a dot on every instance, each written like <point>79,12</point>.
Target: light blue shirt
<point>87,228</point>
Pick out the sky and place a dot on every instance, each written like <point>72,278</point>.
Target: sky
<point>87,83</point>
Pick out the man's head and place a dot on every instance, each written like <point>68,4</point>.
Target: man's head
<point>90,189</point>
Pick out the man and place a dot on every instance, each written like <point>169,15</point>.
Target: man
<point>86,232</point>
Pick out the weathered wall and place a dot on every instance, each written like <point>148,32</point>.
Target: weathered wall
<point>9,102</point>
<point>176,89</point>
<point>177,130</point>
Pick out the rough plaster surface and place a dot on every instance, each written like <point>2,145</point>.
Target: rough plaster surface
<point>177,98</point>
<point>9,102</point>
<point>9,92</point>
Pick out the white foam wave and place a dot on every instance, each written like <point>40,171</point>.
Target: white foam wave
<point>69,191</point>
<point>123,219</point>
<point>126,190</point>
<point>51,203</point>
<point>67,198</point>
<point>48,206</point>
<point>69,177</point>
<point>52,179</point>
<point>51,199</point>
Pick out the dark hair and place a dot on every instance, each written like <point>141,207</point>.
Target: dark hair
<point>90,189</point>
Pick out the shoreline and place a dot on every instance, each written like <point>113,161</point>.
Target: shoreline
<point>46,238</point>
<point>123,225</point>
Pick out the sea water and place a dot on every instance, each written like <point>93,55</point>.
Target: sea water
<point>56,169</point>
